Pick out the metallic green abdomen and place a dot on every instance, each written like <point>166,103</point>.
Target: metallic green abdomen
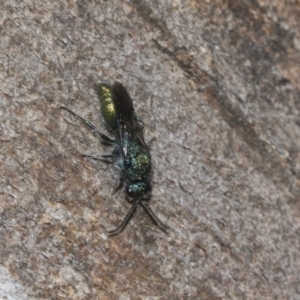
<point>108,110</point>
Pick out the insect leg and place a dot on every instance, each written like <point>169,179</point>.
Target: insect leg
<point>119,186</point>
<point>124,222</point>
<point>103,158</point>
<point>98,157</point>
<point>104,137</point>
<point>153,216</point>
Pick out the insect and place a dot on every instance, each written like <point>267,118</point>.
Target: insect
<point>130,152</point>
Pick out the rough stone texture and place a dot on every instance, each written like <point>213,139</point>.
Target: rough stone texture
<point>217,84</point>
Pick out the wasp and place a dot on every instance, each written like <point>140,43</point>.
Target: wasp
<point>130,152</point>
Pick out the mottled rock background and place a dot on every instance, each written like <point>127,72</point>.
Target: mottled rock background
<point>217,84</point>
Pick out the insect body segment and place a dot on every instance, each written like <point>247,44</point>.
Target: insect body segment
<point>137,164</point>
<point>130,153</point>
<point>108,109</point>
